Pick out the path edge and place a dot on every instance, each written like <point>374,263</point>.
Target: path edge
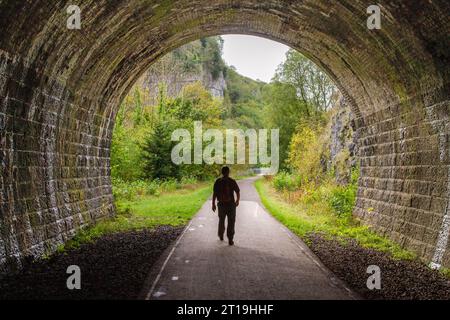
<point>158,267</point>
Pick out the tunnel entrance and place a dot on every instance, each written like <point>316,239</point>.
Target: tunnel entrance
<point>60,91</point>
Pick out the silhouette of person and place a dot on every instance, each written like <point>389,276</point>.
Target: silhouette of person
<point>224,189</point>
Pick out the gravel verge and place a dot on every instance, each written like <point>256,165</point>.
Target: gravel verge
<point>113,267</point>
<point>400,279</point>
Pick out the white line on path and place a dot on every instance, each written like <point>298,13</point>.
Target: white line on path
<point>158,277</point>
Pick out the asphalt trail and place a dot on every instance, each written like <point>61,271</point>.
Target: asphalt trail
<point>267,261</point>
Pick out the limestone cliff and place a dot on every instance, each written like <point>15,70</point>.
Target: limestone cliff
<point>199,61</point>
<point>342,142</point>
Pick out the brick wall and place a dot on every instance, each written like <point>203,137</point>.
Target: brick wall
<point>54,161</point>
<point>405,164</point>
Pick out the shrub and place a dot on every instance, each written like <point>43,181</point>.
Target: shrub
<point>286,182</point>
<point>156,153</point>
<point>121,189</point>
<point>305,154</point>
<point>153,188</point>
<point>188,181</point>
<point>130,191</point>
<point>342,200</point>
<point>169,185</point>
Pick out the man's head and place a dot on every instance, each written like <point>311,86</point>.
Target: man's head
<point>226,171</point>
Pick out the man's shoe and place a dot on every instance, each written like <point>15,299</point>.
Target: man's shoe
<point>221,238</point>
<point>231,243</point>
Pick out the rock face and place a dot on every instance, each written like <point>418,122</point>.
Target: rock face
<point>199,61</point>
<point>175,83</point>
<point>216,86</point>
<point>60,90</point>
<point>343,143</point>
<point>172,71</point>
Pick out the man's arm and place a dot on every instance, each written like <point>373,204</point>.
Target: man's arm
<point>214,202</point>
<point>238,194</point>
<point>214,198</point>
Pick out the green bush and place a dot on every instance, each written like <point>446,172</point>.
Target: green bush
<point>188,180</point>
<point>153,188</point>
<point>169,185</point>
<point>130,191</point>
<point>286,182</point>
<point>342,200</point>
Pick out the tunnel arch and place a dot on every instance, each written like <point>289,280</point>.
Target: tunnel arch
<point>60,90</point>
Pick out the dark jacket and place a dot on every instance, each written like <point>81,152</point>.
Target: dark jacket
<point>224,189</point>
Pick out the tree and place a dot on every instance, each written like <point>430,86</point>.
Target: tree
<point>299,93</point>
<point>313,86</point>
<point>212,55</point>
<point>156,153</point>
<point>197,104</point>
<point>125,154</point>
<point>305,152</point>
<point>283,110</point>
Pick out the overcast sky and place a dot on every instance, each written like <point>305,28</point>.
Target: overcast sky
<point>254,57</point>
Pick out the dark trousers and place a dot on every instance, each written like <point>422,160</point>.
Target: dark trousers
<point>227,210</point>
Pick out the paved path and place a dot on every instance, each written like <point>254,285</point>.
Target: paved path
<point>267,261</point>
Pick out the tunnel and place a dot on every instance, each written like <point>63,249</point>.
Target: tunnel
<point>61,88</point>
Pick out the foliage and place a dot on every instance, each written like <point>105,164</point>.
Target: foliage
<point>242,89</point>
<point>142,145</point>
<point>342,200</point>
<point>196,104</point>
<point>141,148</point>
<point>147,115</point>
<point>212,53</point>
<point>243,102</point>
<point>124,190</point>
<point>284,181</point>
<point>132,125</point>
<point>314,214</point>
<point>135,190</point>
<point>305,153</point>
<point>125,153</point>
<point>298,97</point>
<point>313,87</point>
<point>157,151</point>
<point>283,110</point>
<point>175,208</point>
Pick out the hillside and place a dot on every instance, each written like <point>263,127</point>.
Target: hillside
<point>201,61</point>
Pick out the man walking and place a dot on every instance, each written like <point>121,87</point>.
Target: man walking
<point>224,189</point>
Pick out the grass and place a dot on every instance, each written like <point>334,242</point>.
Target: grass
<point>143,210</point>
<point>445,272</point>
<point>244,176</point>
<point>173,208</point>
<point>316,215</point>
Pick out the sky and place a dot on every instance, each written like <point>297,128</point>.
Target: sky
<point>254,57</point>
